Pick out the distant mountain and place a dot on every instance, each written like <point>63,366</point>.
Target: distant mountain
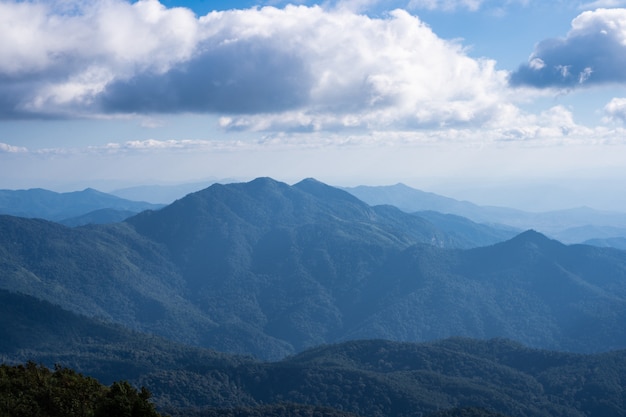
<point>465,230</point>
<point>582,234</point>
<point>610,242</point>
<point>558,224</point>
<point>269,269</point>
<point>49,205</point>
<point>101,216</point>
<point>164,194</point>
<point>410,199</point>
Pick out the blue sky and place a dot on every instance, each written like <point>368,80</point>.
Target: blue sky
<point>518,102</point>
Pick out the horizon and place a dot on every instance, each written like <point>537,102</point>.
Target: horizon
<point>561,198</point>
<point>520,105</point>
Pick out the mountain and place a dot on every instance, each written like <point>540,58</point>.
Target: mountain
<point>610,242</point>
<point>570,226</point>
<point>49,205</point>
<point>161,194</point>
<point>109,272</point>
<point>452,377</point>
<point>36,330</point>
<point>101,216</point>
<point>465,230</point>
<point>269,269</point>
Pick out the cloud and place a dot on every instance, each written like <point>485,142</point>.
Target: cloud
<point>592,53</point>
<point>58,55</point>
<point>6,148</point>
<point>296,68</point>
<point>615,110</point>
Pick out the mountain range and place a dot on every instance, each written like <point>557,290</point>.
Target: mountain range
<point>269,269</point>
<point>456,377</point>
<point>72,208</point>
<point>575,225</point>
<point>269,299</point>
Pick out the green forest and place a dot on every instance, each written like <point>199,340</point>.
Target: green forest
<point>31,390</point>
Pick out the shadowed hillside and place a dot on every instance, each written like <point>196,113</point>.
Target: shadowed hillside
<point>269,269</point>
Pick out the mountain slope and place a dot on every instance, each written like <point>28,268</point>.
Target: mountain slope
<point>107,271</point>
<point>49,205</point>
<point>36,330</point>
<point>530,288</point>
<point>464,377</point>
<point>269,269</point>
<point>571,226</point>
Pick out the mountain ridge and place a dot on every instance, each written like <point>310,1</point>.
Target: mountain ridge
<point>464,377</point>
<point>50,205</point>
<point>565,225</point>
<point>269,269</point>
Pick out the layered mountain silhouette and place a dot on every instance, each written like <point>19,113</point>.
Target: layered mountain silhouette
<point>269,269</point>
<point>454,377</point>
<point>73,208</point>
<point>574,225</point>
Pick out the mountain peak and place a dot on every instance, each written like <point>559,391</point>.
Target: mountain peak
<point>532,238</point>
<point>320,189</point>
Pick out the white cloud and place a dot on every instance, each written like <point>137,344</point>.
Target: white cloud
<point>55,53</point>
<point>615,110</point>
<point>302,68</point>
<point>593,52</point>
<point>6,148</point>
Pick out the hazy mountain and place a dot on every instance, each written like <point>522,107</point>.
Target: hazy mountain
<point>611,242</point>
<point>49,205</point>
<point>101,216</point>
<point>558,224</point>
<point>163,194</point>
<point>465,230</point>
<point>271,269</point>
<point>582,233</point>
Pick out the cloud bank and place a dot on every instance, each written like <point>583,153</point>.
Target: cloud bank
<point>592,53</point>
<point>297,68</point>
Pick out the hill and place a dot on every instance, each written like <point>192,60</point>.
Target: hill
<point>49,205</point>
<point>574,225</point>
<point>269,269</point>
<point>452,377</point>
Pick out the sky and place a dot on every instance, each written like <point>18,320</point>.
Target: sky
<point>518,102</point>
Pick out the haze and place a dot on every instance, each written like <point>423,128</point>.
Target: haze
<point>518,103</point>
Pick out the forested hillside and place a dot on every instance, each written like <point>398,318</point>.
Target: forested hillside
<point>269,269</point>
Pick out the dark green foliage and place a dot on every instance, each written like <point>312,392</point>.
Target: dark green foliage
<point>273,410</point>
<point>466,412</point>
<point>360,377</point>
<point>35,391</point>
<point>459,376</point>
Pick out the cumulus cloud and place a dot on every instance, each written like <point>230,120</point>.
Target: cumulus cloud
<point>298,68</point>
<point>615,110</point>
<point>58,55</point>
<point>593,52</point>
